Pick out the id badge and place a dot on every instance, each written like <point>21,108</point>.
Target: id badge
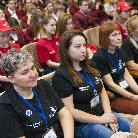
<point>94,101</point>
<point>123,84</point>
<point>50,133</point>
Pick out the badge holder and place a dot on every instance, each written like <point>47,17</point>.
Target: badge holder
<point>123,84</point>
<point>50,133</point>
<point>95,100</point>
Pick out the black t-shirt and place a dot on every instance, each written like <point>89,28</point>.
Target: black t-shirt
<point>106,66</point>
<point>65,86</point>
<point>18,119</point>
<point>130,49</point>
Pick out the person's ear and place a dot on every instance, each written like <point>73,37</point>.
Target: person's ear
<point>44,25</point>
<point>11,79</point>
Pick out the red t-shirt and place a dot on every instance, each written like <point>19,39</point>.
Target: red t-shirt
<point>4,50</point>
<point>47,50</point>
<point>92,47</point>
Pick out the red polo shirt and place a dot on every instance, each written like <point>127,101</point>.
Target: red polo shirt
<point>47,50</point>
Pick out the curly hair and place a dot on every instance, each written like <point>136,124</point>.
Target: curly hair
<point>105,30</point>
<point>34,21</point>
<point>64,44</point>
<point>62,22</point>
<point>10,60</point>
<point>131,24</point>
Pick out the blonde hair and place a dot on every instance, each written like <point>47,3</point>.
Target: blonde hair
<point>58,7</point>
<point>62,22</point>
<point>118,18</point>
<point>29,7</point>
<point>131,24</point>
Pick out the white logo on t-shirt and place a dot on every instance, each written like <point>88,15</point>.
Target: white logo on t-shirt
<point>53,111</point>
<point>84,88</point>
<point>57,43</point>
<point>28,112</point>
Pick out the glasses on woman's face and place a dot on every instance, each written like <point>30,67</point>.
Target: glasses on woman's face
<point>85,5</point>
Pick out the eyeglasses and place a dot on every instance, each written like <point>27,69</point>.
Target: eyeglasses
<point>85,5</point>
<point>11,3</point>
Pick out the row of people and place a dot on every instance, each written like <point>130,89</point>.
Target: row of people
<point>78,72</point>
<point>47,46</point>
<point>49,61</point>
<point>122,83</point>
<point>77,82</point>
<point>82,20</point>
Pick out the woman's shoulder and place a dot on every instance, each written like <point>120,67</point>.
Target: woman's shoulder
<point>100,53</point>
<point>100,57</point>
<point>7,95</point>
<point>43,88</point>
<point>41,41</point>
<point>126,42</point>
<point>62,71</point>
<point>63,74</point>
<point>42,83</point>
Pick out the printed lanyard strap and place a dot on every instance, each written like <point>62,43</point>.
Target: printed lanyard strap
<point>117,62</point>
<point>88,80</point>
<point>41,114</point>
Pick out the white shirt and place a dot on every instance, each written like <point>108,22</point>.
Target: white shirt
<point>55,17</point>
<point>14,37</point>
<point>109,8</point>
<point>13,13</point>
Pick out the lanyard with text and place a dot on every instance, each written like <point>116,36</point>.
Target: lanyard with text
<point>88,80</point>
<point>117,62</point>
<point>41,114</point>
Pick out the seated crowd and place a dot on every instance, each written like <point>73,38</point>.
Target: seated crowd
<point>77,104</point>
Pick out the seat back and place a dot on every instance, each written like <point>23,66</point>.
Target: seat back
<point>92,36</point>
<point>32,49</point>
<point>48,77</point>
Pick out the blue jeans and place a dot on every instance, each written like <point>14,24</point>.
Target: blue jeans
<point>101,131</point>
<point>49,70</point>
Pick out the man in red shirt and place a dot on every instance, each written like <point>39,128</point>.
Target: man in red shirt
<point>5,45</point>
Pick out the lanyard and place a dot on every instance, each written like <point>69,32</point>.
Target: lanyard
<point>88,80</point>
<point>41,114</point>
<point>135,40</point>
<point>117,62</point>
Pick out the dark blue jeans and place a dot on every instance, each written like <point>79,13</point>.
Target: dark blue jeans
<point>49,70</point>
<point>101,131</point>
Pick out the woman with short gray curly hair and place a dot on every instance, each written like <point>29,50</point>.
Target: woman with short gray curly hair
<point>30,108</point>
<point>11,60</point>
